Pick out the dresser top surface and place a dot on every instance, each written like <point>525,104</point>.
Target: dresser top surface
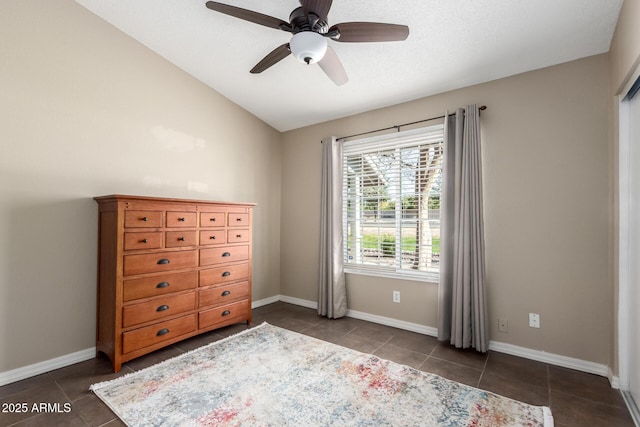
<point>127,198</point>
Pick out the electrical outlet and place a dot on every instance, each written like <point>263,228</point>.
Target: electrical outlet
<point>503,325</point>
<point>396,296</point>
<point>534,320</point>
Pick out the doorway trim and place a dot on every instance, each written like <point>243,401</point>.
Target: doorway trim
<point>624,262</point>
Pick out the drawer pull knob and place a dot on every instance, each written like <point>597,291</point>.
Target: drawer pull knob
<point>181,239</point>
<point>181,219</point>
<point>163,261</point>
<point>226,254</point>
<point>162,308</point>
<point>226,274</point>
<point>162,332</point>
<point>162,285</point>
<point>145,219</point>
<point>143,241</point>
<point>239,219</point>
<point>212,219</point>
<point>238,236</point>
<point>226,313</point>
<point>212,237</point>
<point>225,293</point>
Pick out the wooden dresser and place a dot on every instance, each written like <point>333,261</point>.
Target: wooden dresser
<point>169,269</point>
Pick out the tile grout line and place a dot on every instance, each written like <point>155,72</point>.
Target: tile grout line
<point>383,344</point>
<point>62,390</point>
<point>430,355</point>
<point>549,385</point>
<point>486,361</point>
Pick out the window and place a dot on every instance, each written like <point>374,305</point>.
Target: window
<point>391,190</point>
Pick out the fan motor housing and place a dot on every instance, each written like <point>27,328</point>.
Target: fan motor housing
<point>300,23</point>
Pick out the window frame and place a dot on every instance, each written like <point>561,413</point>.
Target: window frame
<point>430,134</point>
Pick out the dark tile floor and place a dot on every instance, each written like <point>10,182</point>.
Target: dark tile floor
<point>575,398</point>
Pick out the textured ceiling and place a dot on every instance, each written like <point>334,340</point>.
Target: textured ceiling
<point>452,44</point>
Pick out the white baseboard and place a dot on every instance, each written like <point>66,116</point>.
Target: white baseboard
<point>614,380</point>
<point>551,358</point>
<point>541,356</point>
<point>395,323</point>
<point>387,321</point>
<point>514,350</point>
<point>28,371</point>
<point>265,301</point>
<point>298,301</point>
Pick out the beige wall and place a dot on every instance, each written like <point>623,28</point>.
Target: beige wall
<point>87,111</point>
<point>546,181</point>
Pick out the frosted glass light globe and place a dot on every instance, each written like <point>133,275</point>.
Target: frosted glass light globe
<point>308,47</point>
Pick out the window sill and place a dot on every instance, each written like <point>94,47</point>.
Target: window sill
<point>401,275</point>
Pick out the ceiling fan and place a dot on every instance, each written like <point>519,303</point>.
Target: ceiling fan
<point>308,24</point>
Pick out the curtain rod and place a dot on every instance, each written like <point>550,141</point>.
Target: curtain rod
<point>484,107</point>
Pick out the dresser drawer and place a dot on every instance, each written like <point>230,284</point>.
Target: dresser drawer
<point>158,308</point>
<point>226,274</point>
<point>223,294</point>
<point>212,237</point>
<point>181,219</point>
<point>160,261</point>
<point>238,219</point>
<point>148,240</point>
<point>151,219</point>
<point>159,285</point>
<point>163,331</point>
<point>238,235</point>
<point>225,313</point>
<point>181,238</point>
<point>223,255</point>
<point>211,219</point>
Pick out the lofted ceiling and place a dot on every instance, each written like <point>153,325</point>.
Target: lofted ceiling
<point>452,44</point>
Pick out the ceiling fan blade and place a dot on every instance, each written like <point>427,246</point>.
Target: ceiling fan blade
<point>332,66</point>
<point>276,55</point>
<point>249,15</point>
<point>369,32</point>
<point>320,8</point>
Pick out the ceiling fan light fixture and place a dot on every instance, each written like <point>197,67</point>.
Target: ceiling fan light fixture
<point>308,46</point>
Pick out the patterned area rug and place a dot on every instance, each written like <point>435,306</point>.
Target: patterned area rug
<point>270,376</point>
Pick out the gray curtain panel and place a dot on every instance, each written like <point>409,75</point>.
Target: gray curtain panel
<point>462,314</point>
<point>332,292</point>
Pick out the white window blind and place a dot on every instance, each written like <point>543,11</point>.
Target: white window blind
<point>391,191</point>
